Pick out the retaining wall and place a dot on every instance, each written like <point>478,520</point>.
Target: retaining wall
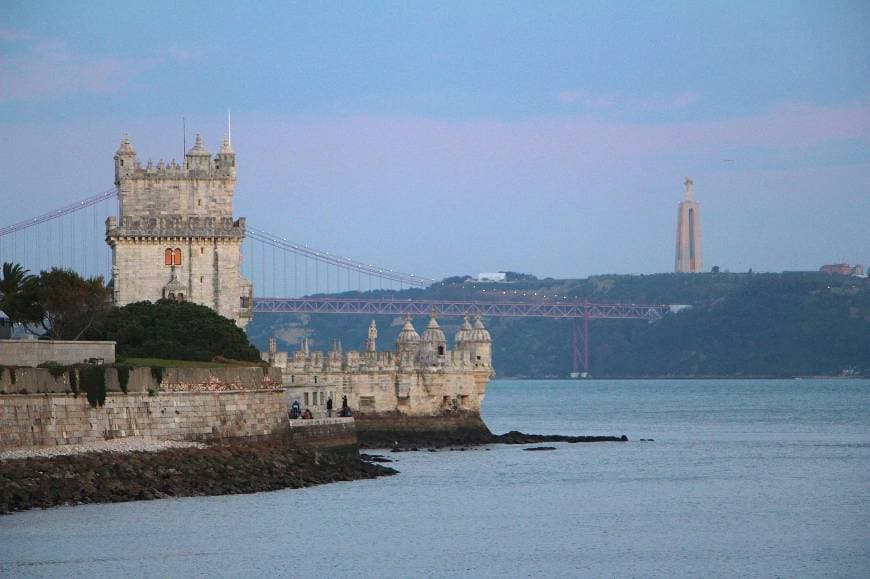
<point>36,352</point>
<point>41,380</point>
<point>52,419</point>
<point>323,432</point>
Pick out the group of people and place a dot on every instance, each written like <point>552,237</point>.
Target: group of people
<point>296,411</point>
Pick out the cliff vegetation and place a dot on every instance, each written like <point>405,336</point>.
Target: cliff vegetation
<point>747,324</point>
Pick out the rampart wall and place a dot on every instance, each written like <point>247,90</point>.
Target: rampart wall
<point>36,352</point>
<point>52,419</point>
<point>17,380</point>
<point>323,432</point>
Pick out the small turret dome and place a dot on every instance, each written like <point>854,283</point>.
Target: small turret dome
<point>464,333</point>
<point>125,147</point>
<point>434,333</point>
<point>408,335</point>
<point>480,333</point>
<point>198,149</point>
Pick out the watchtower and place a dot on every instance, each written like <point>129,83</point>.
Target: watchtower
<point>175,237</point>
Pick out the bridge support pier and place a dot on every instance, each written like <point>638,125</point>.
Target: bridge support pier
<point>575,344</point>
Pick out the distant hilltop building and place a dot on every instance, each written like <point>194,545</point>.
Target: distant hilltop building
<point>176,237</point>
<point>689,258</point>
<point>843,269</point>
<point>498,276</point>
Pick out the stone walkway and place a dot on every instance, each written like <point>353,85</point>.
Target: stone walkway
<point>116,445</point>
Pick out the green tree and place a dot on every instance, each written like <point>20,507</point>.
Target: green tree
<point>72,304</point>
<point>179,331</point>
<point>18,296</point>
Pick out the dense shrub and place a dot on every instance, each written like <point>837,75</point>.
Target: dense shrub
<point>179,331</point>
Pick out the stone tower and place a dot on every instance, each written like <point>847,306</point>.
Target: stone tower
<point>689,257</point>
<point>176,237</point>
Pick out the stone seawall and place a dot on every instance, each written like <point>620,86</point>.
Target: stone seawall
<point>323,433</point>
<point>52,419</point>
<point>18,380</point>
<point>388,430</point>
<point>35,352</point>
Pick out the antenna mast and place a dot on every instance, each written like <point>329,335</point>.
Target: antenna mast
<point>184,137</point>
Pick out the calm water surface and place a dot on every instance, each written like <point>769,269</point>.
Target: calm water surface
<point>760,478</point>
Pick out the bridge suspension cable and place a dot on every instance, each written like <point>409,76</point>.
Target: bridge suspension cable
<point>57,213</point>
<point>345,263</point>
<point>28,242</point>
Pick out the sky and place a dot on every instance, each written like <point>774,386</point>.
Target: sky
<point>453,138</point>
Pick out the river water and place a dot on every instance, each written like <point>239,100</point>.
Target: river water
<point>759,478</point>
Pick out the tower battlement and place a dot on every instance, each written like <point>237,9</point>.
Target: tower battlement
<point>421,377</point>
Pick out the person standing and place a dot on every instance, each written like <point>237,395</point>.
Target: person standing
<point>329,407</point>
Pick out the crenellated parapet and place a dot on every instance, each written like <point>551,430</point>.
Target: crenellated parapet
<point>421,377</point>
<point>426,354</point>
<point>198,164</point>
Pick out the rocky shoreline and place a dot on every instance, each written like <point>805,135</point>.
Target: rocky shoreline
<point>221,468</point>
<point>130,470</point>
<point>450,431</point>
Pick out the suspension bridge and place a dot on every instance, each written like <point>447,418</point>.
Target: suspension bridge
<point>290,277</point>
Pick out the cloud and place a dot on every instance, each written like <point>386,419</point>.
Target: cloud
<point>625,102</point>
<point>685,99</point>
<point>35,68</point>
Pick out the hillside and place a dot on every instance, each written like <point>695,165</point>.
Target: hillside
<point>788,324</point>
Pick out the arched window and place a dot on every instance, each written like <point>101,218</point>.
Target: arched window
<point>179,297</point>
<point>167,257</point>
<point>177,257</point>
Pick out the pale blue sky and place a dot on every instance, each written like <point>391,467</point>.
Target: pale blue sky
<point>448,138</point>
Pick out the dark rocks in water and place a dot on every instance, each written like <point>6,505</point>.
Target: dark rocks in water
<point>647,440</point>
<point>515,437</point>
<point>374,458</point>
<point>541,448</point>
<point>223,468</point>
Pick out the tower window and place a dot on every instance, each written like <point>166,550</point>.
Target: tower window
<point>167,257</point>
<point>176,259</point>
<point>201,250</point>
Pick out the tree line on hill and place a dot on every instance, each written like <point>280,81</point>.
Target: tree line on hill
<point>748,324</point>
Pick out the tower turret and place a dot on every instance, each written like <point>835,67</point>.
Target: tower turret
<point>408,343</point>
<point>433,343</point>
<point>480,344</point>
<point>197,158</point>
<point>125,160</point>
<point>372,339</point>
<point>225,161</point>
<point>462,337</point>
